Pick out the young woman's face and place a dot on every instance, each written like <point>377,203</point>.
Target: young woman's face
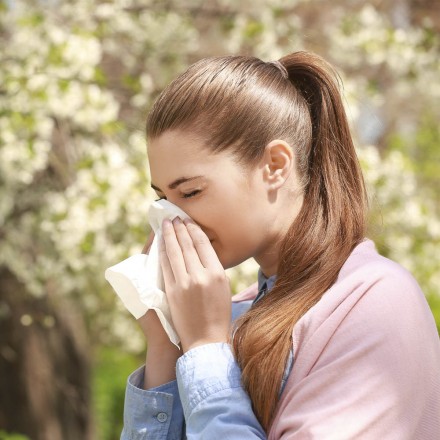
<point>231,205</point>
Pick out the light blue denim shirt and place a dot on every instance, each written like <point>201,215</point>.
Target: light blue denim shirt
<point>206,401</point>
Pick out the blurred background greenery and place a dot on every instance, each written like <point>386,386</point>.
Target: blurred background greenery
<point>77,78</point>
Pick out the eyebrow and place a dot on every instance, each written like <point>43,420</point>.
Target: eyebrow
<point>176,183</point>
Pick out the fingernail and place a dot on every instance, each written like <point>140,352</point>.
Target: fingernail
<point>189,221</point>
<point>166,223</point>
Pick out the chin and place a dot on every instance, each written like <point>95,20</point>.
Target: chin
<point>232,261</point>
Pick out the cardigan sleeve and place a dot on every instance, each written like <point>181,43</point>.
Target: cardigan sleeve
<point>369,370</point>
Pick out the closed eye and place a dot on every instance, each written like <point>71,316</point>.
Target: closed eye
<point>184,196</point>
<point>191,194</point>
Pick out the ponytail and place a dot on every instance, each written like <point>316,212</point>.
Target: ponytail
<point>330,224</point>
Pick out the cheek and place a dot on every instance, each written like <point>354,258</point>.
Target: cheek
<point>214,213</point>
<point>233,223</point>
<point>237,239</point>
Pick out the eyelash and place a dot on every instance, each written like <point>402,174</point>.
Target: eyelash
<point>185,196</point>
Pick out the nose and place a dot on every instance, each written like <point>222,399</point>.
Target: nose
<point>206,230</point>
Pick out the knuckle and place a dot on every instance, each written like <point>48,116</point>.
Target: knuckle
<point>185,241</point>
<point>201,240</point>
<point>185,284</point>
<point>219,276</point>
<point>199,280</point>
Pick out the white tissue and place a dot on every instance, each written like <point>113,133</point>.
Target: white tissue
<point>138,280</point>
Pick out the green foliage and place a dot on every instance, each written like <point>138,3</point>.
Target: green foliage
<point>253,29</point>
<point>422,149</point>
<point>12,436</point>
<point>111,369</point>
<point>434,303</point>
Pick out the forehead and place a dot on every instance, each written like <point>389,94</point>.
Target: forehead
<point>176,152</point>
<point>175,144</point>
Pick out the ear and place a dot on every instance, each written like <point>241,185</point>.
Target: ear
<point>277,163</point>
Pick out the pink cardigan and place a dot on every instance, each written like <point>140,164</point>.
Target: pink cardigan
<point>366,359</point>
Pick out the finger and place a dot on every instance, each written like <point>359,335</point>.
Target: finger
<point>168,276</point>
<point>190,255</point>
<point>173,250</point>
<point>149,242</point>
<point>203,246</point>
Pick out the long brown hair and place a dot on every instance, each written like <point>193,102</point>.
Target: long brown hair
<point>241,104</point>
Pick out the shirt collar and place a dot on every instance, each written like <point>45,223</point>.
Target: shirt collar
<point>262,279</point>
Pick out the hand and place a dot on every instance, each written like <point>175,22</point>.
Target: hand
<point>196,285</point>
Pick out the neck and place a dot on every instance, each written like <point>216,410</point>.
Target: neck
<point>268,257</point>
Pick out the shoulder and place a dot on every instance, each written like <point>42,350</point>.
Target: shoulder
<point>366,264</point>
<point>370,351</point>
<point>366,273</point>
<point>374,302</point>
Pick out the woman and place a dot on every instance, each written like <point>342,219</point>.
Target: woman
<point>339,341</point>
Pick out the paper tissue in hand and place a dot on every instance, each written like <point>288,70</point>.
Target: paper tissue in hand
<point>138,280</point>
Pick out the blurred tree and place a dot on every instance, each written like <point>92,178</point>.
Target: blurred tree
<point>70,88</point>
<point>45,369</point>
<point>76,80</point>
